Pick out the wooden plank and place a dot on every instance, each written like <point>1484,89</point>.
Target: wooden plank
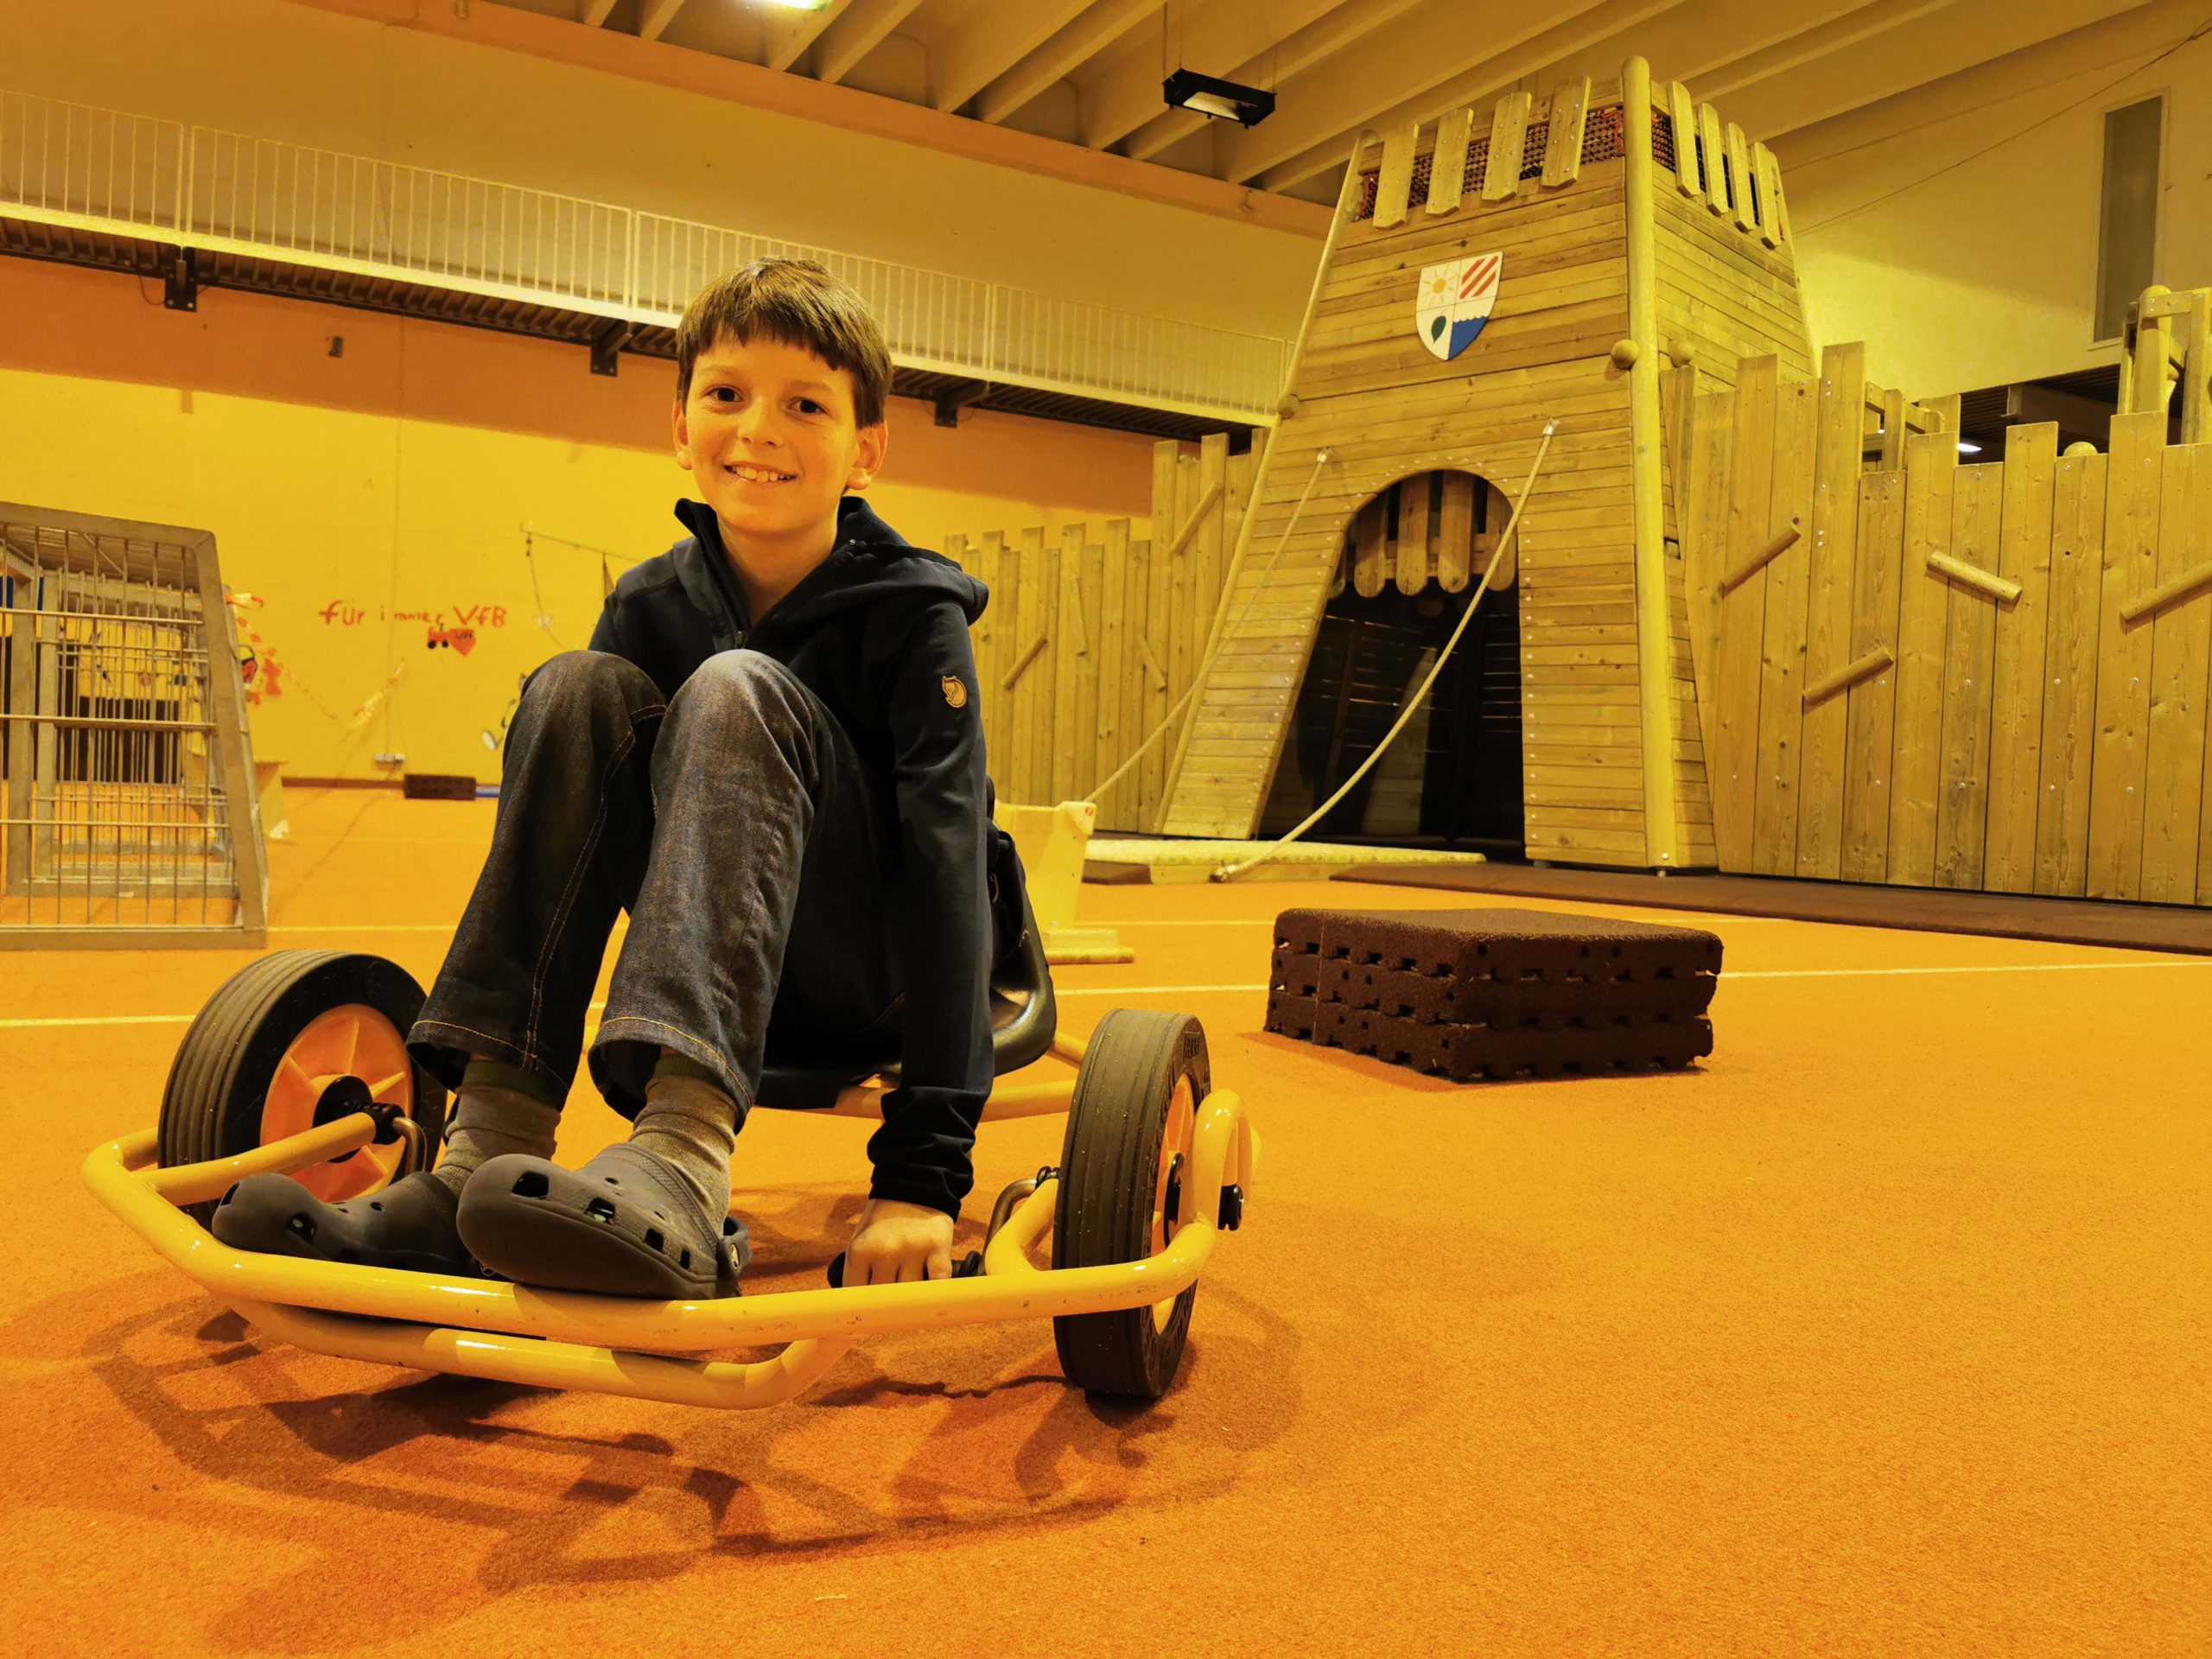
<point>1139,687</point>
<point>2117,778</point>
<point>2015,719</point>
<point>1930,466</point>
<point>1782,667</point>
<point>1508,133</point>
<point>1113,669</point>
<point>1870,718</point>
<point>1893,417</point>
<point>1370,558</point>
<point>1092,688</point>
<point>1563,147</point>
<point>1740,193</point>
<point>1397,177</point>
<point>1767,174</point>
<point>1187,638</point>
<point>2070,709</point>
<point>1447,166</point>
<point>1688,177</point>
<point>1704,545</point>
<point>1021,667</point>
<point>1734,764</point>
<point>1716,181</point>
<point>1455,532</point>
<point>1071,730</point>
<point>1164,622</point>
<point>1209,549</point>
<point>996,626</point>
<point>2181,646</point>
<point>1839,465</point>
<point>1970,659</point>
<point>1414,494</point>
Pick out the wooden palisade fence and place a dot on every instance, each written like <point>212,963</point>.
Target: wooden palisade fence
<point>1092,635</point>
<point>1928,673</point>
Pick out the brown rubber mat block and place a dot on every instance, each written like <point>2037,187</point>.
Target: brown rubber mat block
<point>1466,1052</point>
<point>1291,1016</point>
<point>1506,944</point>
<point>1487,1000</point>
<point>1297,972</point>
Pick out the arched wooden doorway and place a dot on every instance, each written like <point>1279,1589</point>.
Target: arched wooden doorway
<point>1413,557</point>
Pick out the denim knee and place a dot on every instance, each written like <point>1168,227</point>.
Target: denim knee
<point>588,680</point>
<point>747,691</point>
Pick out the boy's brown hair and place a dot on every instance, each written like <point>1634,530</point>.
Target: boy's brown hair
<point>799,303</point>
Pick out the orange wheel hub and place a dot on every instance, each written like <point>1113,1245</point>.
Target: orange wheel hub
<point>353,1040</point>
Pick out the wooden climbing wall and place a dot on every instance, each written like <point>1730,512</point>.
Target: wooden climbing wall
<point>1093,633</point>
<point>1909,671</point>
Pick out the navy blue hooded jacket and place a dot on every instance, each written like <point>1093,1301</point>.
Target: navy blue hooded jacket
<point>876,630</point>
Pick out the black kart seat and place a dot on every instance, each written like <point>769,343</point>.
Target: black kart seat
<point>1023,1020</point>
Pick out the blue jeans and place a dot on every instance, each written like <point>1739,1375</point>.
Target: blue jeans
<point>737,825</point>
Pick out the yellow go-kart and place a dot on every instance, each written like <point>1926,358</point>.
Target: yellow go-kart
<point>299,1065</point>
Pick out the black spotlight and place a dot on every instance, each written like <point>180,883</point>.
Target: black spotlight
<point>1225,100</point>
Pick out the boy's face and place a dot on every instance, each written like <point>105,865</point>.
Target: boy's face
<point>768,431</point>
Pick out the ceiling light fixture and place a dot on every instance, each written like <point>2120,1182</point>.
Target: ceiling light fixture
<point>1225,100</point>
<point>797,5</point>
<point>1966,448</point>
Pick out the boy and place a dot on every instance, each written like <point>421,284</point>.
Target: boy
<point>771,757</point>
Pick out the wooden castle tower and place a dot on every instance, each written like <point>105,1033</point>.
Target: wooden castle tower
<point>1641,243</point>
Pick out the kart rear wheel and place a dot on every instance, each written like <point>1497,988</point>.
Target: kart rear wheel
<point>298,1038</point>
<point>1124,1169</point>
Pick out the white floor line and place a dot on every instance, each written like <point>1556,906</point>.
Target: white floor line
<point>2002,968</point>
<point>1063,993</point>
<point>371,927</point>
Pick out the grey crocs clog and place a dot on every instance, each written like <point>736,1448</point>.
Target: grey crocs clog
<point>409,1225</point>
<point>625,1224</point>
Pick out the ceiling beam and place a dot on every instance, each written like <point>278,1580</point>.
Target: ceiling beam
<point>658,15</point>
<point>1122,96</point>
<point>995,37</point>
<point>1297,52</point>
<point>1077,43</point>
<point>594,12</point>
<point>1927,48</point>
<point>1457,66</point>
<point>858,32</point>
<point>1864,23</point>
<point>790,33</point>
<point>2137,35</point>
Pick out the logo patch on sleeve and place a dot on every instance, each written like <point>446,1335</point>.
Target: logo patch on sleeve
<point>956,690</point>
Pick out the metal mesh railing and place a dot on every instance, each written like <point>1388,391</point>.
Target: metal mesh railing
<point>128,173</point>
<point>126,797</point>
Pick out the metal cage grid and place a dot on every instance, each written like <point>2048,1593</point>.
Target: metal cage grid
<point>128,812</point>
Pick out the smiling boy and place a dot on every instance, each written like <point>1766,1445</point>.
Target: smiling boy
<point>771,756</point>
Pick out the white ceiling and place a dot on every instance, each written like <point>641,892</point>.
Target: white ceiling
<point>1088,72</point>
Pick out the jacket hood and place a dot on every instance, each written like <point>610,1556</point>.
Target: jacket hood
<point>870,562</point>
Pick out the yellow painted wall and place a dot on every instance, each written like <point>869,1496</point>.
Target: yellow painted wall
<point>1987,273</point>
<point>295,73</point>
<point>393,483</point>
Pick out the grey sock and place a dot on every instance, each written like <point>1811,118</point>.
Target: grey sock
<point>501,1110</point>
<point>690,1122</point>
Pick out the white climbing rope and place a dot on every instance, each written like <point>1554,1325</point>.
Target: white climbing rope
<point>1199,680</point>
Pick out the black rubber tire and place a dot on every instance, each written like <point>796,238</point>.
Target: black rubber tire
<point>211,1105</point>
<point>1109,1166</point>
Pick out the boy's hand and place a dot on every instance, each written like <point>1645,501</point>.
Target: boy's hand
<point>899,1243</point>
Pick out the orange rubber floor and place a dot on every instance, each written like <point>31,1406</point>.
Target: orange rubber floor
<point>1886,1330</point>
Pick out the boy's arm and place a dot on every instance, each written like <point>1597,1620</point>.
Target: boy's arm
<point>921,1153</point>
<point>607,634</point>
